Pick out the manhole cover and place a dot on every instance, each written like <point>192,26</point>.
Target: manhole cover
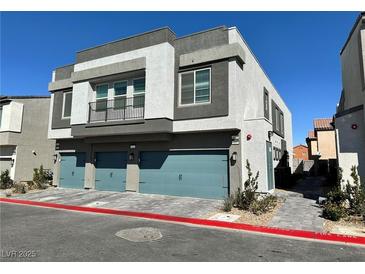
<point>140,234</point>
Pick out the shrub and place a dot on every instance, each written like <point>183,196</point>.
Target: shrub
<point>228,204</point>
<point>264,204</point>
<point>244,199</point>
<point>5,181</point>
<point>336,196</point>
<point>20,187</point>
<point>333,211</point>
<point>8,192</point>
<point>355,194</point>
<point>40,178</point>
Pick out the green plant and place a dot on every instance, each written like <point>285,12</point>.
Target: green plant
<point>333,211</point>
<point>40,178</point>
<point>228,204</point>
<point>336,196</point>
<point>244,199</point>
<point>355,194</point>
<point>5,180</point>
<point>20,187</point>
<point>264,204</point>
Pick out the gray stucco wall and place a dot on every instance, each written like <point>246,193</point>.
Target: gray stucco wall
<point>204,40</point>
<point>219,95</point>
<point>57,121</point>
<point>33,137</point>
<point>128,44</point>
<point>64,72</point>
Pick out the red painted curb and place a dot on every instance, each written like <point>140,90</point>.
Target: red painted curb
<point>238,226</point>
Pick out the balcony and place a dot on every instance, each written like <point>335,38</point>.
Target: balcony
<point>118,109</point>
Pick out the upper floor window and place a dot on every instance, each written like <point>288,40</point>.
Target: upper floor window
<point>195,87</point>
<point>101,96</point>
<point>120,94</point>
<point>277,120</point>
<point>139,89</point>
<point>266,104</point>
<point>67,104</point>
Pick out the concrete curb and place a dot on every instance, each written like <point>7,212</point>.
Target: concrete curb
<point>299,234</point>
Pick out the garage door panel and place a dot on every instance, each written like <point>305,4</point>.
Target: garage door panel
<point>110,171</point>
<point>189,173</point>
<point>72,170</point>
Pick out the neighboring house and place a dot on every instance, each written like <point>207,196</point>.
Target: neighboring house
<point>23,135</point>
<point>322,147</point>
<point>350,113</point>
<point>154,113</point>
<point>322,141</point>
<point>300,152</point>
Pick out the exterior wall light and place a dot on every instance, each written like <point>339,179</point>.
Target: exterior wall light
<point>249,137</point>
<point>270,133</point>
<point>54,158</point>
<point>131,156</point>
<point>234,156</point>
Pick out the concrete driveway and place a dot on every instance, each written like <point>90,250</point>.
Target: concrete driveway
<point>151,203</point>
<point>59,235</point>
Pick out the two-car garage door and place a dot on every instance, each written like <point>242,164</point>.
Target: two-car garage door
<point>201,174</point>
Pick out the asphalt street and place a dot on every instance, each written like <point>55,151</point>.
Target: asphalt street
<point>40,234</point>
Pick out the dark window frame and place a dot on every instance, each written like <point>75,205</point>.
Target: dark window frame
<point>278,119</point>
<point>266,104</point>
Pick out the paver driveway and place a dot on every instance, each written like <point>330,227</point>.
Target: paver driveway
<point>169,205</point>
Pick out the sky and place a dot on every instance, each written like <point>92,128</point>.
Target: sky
<point>299,51</point>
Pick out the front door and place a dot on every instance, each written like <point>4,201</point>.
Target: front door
<point>270,169</point>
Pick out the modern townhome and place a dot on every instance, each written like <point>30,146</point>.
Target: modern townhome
<point>156,113</point>
<point>350,114</point>
<point>23,136</point>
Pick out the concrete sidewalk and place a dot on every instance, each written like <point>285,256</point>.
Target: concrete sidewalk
<point>151,203</point>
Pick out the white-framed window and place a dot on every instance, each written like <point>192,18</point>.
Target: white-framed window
<point>195,87</point>
<point>67,104</point>
<point>101,96</point>
<point>139,90</point>
<point>120,93</point>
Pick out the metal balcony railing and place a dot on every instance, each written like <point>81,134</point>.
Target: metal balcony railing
<point>119,108</point>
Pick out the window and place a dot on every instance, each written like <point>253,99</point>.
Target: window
<point>67,104</point>
<point>101,97</point>
<point>120,93</point>
<point>277,120</point>
<point>139,89</point>
<point>195,87</point>
<point>266,104</point>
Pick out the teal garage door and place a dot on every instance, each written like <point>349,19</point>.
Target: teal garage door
<point>202,174</point>
<point>110,171</point>
<point>72,170</point>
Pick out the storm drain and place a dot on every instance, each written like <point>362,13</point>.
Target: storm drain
<point>140,234</point>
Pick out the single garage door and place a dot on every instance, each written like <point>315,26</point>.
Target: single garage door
<point>110,171</point>
<point>201,174</point>
<point>72,170</point>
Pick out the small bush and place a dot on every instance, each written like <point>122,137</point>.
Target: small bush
<point>40,178</point>
<point>336,196</point>
<point>21,187</point>
<point>228,204</point>
<point>264,204</point>
<point>355,194</point>
<point>333,212</point>
<point>5,181</point>
<point>244,199</point>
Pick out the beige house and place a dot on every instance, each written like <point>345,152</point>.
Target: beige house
<point>322,140</point>
<point>350,113</point>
